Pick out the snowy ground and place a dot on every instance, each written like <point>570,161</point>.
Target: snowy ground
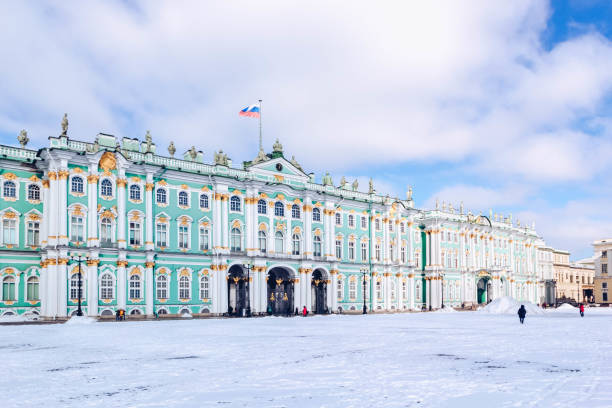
<point>466,359</point>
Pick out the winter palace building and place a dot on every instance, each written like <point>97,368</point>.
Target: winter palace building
<point>165,235</point>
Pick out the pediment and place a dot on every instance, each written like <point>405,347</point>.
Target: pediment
<point>278,166</point>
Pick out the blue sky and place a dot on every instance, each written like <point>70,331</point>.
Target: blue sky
<point>502,105</point>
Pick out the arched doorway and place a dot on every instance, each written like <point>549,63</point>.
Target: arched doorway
<point>319,292</point>
<point>280,292</point>
<point>237,291</point>
<point>483,290</point>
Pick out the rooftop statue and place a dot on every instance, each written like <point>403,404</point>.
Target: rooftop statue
<point>295,163</point>
<point>371,188</point>
<point>261,157</point>
<point>65,125</point>
<point>437,204</point>
<point>409,193</point>
<point>221,158</point>
<point>149,141</point>
<point>443,206</point>
<point>171,149</point>
<point>23,138</point>
<point>327,180</point>
<point>343,182</point>
<point>355,185</point>
<point>277,147</point>
<point>461,207</point>
<point>450,208</point>
<point>193,153</point>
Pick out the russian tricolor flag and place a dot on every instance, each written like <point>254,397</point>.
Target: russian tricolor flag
<point>252,111</point>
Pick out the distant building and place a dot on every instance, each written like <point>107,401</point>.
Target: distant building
<point>603,280</point>
<point>574,280</point>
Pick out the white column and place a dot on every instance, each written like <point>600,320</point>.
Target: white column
<point>92,287</point>
<point>223,280</point>
<point>399,292</point>
<point>217,224</point>
<point>92,203</point>
<point>62,287</point>
<point>263,290</point>
<point>148,282</point>
<point>121,282</point>
<point>334,285</point>
<point>44,304</point>
<point>63,207</point>
<point>225,222</point>
<point>412,291</point>
<point>308,285</point>
<point>121,216</point>
<point>388,291</point>
<point>53,213</point>
<point>44,229</point>
<point>374,293</point>
<point>307,214</point>
<point>410,249</point>
<point>149,216</point>
<point>50,296</point>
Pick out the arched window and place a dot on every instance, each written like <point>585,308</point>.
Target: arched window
<point>204,287</point>
<point>377,224</point>
<point>162,287</point>
<point>351,250</point>
<point>378,290</point>
<point>340,288</point>
<point>235,204</point>
<point>262,208</point>
<point>160,195</point>
<point>296,244</point>
<point>8,288</point>
<point>236,239</point>
<point>75,292</point>
<point>403,254</point>
<point>135,287</point>
<point>106,226</point>
<point>279,209</point>
<point>106,188</point>
<point>393,291</point>
<point>418,293</point>
<point>32,288</point>
<point>316,246</point>
<point>184,288</point>
<point>364,251</point>
<point>351,221</point>
<point>183,199</point>
<point>135,192</point>
<point>338,248</point>
<point>76,186</point>
<point>262,240</point>
<point>33,192</point>
<point>279,242</point>
<point>204,238</point>
<point>106,287</point>
<point>295,211</point>
<point>10,191</point>
<point>404,291</point>
<point>352,289</point>
<point>316,214</point>
<point>338,218</point>
<point>203,201</point>
<point>402,228</point>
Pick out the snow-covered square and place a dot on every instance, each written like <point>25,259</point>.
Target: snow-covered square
<point>460,359</point>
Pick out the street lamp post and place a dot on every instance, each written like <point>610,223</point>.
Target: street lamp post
<point>79,260</point>
<point>364,272</point>
<point>442,291</point>
<point>248,267</point>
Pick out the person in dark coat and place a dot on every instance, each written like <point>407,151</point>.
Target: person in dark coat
<point>581,310</point>
<point>521,313</point>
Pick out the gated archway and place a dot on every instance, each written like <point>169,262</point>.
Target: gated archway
<point>237,294</point>
<point>483,290</point>
<point>280,291</point>
<point>319,292</point>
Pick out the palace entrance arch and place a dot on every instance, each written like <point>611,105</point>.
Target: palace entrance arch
<point>483,290</point>
<point>319,292</point>
<point>237,296</point>
<point>280,291</point>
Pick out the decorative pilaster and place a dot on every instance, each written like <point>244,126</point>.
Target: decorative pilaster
<point>121,215</point>
<point>92,287</point>
<point>62,289</point>
<point>149,246</point>
<point>92,205</point>
<point>121,281</point>
<point>149,279</point>
<point>63,206</point>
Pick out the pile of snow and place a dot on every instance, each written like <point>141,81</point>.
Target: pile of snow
<point>508,305</point>
<point>80,320</point>
<point>186,315</point>
<point>446,309</point>
<point>566,307</point>
<point>14,318</point>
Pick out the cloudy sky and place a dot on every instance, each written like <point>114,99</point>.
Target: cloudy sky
<point>503,105</point>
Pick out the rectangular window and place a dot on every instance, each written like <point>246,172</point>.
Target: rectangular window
<point>364,222</point>
<point>352,289</point>
<point>604,297</point>
<point>134,233</point>
<point>9,228</point>
<point>204,288</point>
<point>162,235</point>
<point>183,237</point>
<point>203,239</point>
<point>33,233</point>
<point>338,249</point>
<point>604,268</point>
<point>403,254</point>
<point>162,288</point>
<point>351,250</point>
<point>76,231</point>
<point>377,252</point>
<point>364,251</point>
<point>351,221</point>
<point>340,289</point>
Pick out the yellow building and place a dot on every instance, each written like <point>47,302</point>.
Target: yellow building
<point>603,280</point>
<point>574,281</point>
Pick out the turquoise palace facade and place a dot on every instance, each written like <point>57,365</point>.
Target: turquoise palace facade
<point>160,235</point>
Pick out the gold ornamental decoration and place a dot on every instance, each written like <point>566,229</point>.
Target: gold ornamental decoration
<point>108,162</point>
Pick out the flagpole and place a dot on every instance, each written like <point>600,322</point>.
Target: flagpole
<point>260,138</point>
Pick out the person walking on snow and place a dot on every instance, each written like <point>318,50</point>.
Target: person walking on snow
<point>581,310</point>
<point>521,313</point>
